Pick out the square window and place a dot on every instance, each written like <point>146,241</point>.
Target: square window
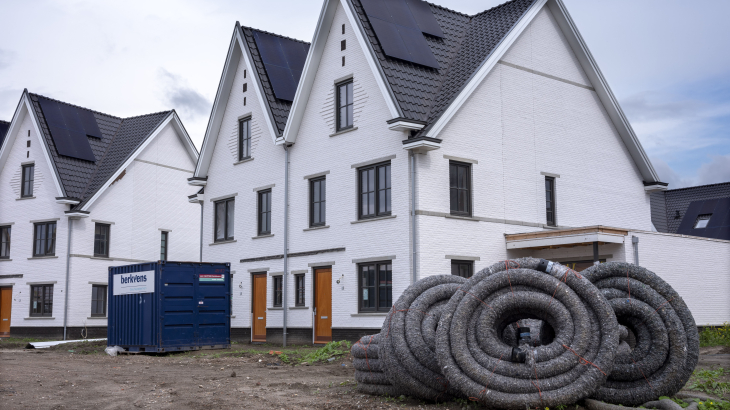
<point>702,221</point>
<point>44,239</point>
<point>375,291</point>
<point>101,240</point>
<point>98,300</point>
<point>278,291</point>
<point>465,269</point>
<point>344,106</point>
<point>26,185</point>
<point>374,191</point>
<point>224,211</point>
<point>41,300</point>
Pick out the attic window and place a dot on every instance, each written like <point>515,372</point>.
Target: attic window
<point>343,29</point>
<point>244,73</point>
<point>245,87</point>
<point>343,45</point>
<point>702,221</point>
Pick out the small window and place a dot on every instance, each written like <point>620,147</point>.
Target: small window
<point>376,293</point>
<point>5,242</point>
<point>343,29</point>
<point>27,181</point>
<point>41,300</point>
<point>343,45</point>
<point>317,202</point>
<point>299,290</point>
<point>98,301</point>
<point>550,200</point>
<point>344,106</point>
<point>224,211</point>
<point>343,61</point>
<point>244,139</point>
<point>460,188</point>
<point>101,240</point>
<point>265,212</point>
<point>465,269</point>
<point>702,221</point>
<point>374,187</point>
<point>245,87</point>
<point>164,237</point>
<point>44,240</point>
<point>244,73</point>
<point>277,291</point>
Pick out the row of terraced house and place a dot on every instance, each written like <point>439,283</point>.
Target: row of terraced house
<point>333,174</point>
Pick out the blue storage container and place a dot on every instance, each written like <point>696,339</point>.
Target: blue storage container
<point>169,306</point>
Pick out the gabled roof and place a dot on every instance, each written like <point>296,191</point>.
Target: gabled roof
<point>121,139</point>
<point>671,205</point>
<point>4,125</point>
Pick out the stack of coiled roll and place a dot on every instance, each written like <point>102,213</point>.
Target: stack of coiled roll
<point>533,333</point>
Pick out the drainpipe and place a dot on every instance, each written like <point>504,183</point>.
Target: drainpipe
<point>413,214</point>
<point>285,279</point>
<point>596,261</point>
<point>201,230</point>
<point>68,266</point>
<point>635,241</point>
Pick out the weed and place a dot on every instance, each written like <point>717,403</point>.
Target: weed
<point>284,358</point>
<point>707,381</point>
<point>713,405</point>
<point>561,407</point>
<point>715,336</point>
<point>330,350</point>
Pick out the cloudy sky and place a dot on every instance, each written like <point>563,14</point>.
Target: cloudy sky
<point>668,62</point>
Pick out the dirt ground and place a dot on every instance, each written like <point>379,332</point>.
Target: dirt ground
<point>243,377</point>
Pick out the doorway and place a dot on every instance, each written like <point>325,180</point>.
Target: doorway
<point>6,303</point>
<point>323,305</point>
<point>258,307</point>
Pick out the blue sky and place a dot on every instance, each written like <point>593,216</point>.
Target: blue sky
<point>667,61</point>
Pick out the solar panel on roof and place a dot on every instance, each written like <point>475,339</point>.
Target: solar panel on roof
<point>67,129</point>
<point>400,33</point>
<point>284,61</point>
<point>715,213</point>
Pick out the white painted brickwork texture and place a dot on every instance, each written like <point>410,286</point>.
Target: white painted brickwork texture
<point>145,200</point>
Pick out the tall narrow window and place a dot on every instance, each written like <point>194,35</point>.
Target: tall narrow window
<point>44,239</point>
<point>550,200</point>
<point>244,139</point>
<point>376,290</point>
<point>98,301</point>
<point>277,291</point>
<point>317,202</point>
<point>5,242</point>
<point>265,212</point>
<point>41,300</point>
<point>374,186</point>
<point>27,181</point>
<point>465,269</point>
<point>460,188</point>
<point>299,290</point>
<point>101,240</point>
<point>344,105</point>
<point>224,211</point>
<point>164,236</point>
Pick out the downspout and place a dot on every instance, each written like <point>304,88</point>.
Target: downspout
<point>413,214</point>
<point>635,241</point>
<point>201,230</point>
<point>68,269</point>
<point>285,279</point>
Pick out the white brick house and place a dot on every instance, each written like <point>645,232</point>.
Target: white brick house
<point>114,194</point>
<point>515,102</point>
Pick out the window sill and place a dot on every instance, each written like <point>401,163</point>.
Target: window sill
<point>379,314</point>
<point>465,218</point>
<point>39,318</point>
<point>546,226</point>
<point>289,308</point>
<point>221,242</point>
<point>249,159</point>
<point>275,308</point>
<point>97,317</point>
<point>268,235</point>
<point>26,197</point>
<point>6,260</point>
<point>43,257</point>
<point>379,218</point>
<point>343,131</point>
<point>103,258</point>
<point>314,228</point>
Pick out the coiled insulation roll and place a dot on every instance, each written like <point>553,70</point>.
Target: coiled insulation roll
<point>475,360</point>
<point>666,349</point>
<point>368,371</point>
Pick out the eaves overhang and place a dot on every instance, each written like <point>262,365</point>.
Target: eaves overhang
<point>655,186</point>
<point>405,124</point>
<point>563,238</point>
<point>198,181</point>
<point>77,214</point>
<point>421,145</point>
<point>65,200</point>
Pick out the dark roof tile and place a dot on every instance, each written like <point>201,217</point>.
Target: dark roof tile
<point>4,125</point>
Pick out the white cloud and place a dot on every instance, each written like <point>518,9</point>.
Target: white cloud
<point>668,175</point>
<point>182,96</point>
<point>716,171</point>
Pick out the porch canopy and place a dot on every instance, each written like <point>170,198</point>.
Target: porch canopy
<point>566,238</point>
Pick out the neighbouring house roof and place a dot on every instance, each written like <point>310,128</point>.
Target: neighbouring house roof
<point>424,93</point>
<point>670,207</point>
<point>81,179</point>
<point>279,108</point>
<point>4,125</point>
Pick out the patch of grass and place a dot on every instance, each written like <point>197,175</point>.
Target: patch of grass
<point>24,340</point>
<point>715,336</point>
<point>330,350</point>
<point>708,381</point>
<point>713,405</point>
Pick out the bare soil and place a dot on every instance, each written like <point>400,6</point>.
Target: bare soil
<point>81,376</point>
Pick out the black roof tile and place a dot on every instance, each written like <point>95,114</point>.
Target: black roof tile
<point>121,137</point>
<point>4,125</point>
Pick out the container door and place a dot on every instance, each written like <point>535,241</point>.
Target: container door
<point>6,302</point>
<point>213,305</point>
<point>323,305</point>
<point>179,309</point>
<point>258,327</point>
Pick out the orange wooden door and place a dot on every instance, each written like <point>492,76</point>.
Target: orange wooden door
<point>258,328</point>
<point>323,305</point>
<point>6,302</point>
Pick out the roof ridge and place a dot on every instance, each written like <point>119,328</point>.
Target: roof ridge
<point>494,8</point>
<point>447,9</point>
<point>277,35</point>
<point>76,106</point>
<point>697,186</point>
<point>147,115</point>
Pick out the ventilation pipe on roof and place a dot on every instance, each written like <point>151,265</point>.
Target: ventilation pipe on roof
<point>285,279</point>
